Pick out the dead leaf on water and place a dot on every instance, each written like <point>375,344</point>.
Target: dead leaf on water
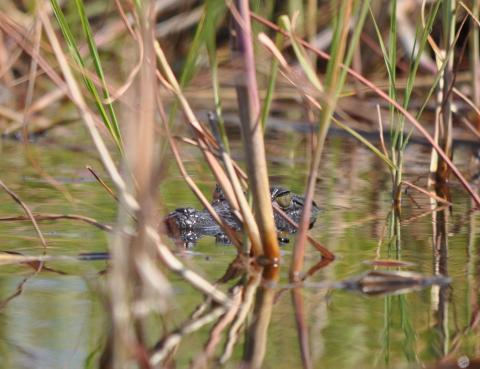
<point>378,282</point>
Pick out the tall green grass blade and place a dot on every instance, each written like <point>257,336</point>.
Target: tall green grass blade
<point>75,53</point>
<point>392,69</point>
<point>99,70</point>
<point>214,11</point>
<point>363,140</point>
<point>415,60</point>
<point>385,53</point>
<point>390,64</point>
<point>413,69</point>
<point>357,31</point>
<point>300,53</point>
<point>439,73</point>
<point>398,139</point>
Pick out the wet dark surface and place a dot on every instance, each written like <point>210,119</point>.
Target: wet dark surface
<point>55,318</point>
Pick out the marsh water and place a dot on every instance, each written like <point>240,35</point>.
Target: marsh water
<point>56,317</point>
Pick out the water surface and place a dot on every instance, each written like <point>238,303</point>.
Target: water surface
<point>56,318</point>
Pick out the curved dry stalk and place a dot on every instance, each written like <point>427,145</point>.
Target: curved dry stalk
<point>249,223</point>
<point>469,102</point>
<point>48,216</point>
<point>238,170</point>
<point>102,182</point>
<point>19,290</point>
<point>17,199</point>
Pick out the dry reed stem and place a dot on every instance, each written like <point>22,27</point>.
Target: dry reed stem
<point>102,182</point>
<point>288,74</point>
<point>385,96</point>
<point>190,276</point>
<point>469,102</point>
<point>470,127</point>
<point>18,291</point>
<point>6,259</point>
<point>27,210</point>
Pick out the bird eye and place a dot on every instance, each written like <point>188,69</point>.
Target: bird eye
<point>284,200</point>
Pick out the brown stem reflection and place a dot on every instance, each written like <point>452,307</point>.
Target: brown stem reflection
<point>302,331</point>
<point>472,328</point>
<point>256,340</point>
<point>440,294</point>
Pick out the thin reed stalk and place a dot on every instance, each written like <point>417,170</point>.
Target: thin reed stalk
<point>439,171</point>
<point>332,91</point>
<point>248,101</point>
<point>475,57</point>
<point>27,210</point>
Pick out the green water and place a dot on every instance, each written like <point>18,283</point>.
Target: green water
<point>57,319</point>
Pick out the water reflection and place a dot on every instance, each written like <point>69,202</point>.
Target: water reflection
<point>57,320</point>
